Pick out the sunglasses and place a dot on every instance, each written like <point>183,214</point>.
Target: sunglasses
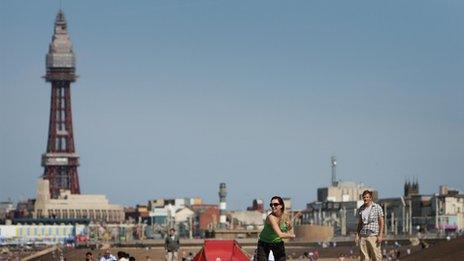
<point>274,204</point>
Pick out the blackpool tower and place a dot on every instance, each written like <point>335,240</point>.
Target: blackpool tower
<point>60,161</point>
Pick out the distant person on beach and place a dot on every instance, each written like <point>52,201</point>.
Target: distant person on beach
<point>171,244</point>
<point>275,229</point>
<point>107,256</point>
<point>122,256</point>
<point>370,228</point>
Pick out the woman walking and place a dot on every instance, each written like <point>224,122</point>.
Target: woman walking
<point>275,229</point>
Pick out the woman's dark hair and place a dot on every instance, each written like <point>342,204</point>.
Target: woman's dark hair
<point>365,192</point>
<point>281,202</point>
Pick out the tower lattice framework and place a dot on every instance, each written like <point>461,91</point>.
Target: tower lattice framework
<point>60,161</point>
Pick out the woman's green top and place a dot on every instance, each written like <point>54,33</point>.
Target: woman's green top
<point>268,234</point>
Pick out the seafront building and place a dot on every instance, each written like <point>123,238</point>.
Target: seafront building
<point>75,206</point>
<point>448,210</point>
<point>344,191</point>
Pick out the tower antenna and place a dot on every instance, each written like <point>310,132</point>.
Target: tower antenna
<point>333,161</point>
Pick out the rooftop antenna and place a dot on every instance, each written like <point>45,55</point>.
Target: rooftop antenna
<point>333,161</point>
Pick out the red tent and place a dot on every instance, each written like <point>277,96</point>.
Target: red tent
<point>221,250</point>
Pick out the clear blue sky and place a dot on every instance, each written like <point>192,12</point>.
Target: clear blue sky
<point>175,97</point>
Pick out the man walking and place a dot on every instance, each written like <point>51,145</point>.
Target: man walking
<point>171,244</point>
<point>370,228</point>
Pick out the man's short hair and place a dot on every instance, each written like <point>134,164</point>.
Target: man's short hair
<point>365,192</point>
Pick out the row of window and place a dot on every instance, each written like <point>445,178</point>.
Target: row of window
<point>97,214</point>
<point>28,231</point>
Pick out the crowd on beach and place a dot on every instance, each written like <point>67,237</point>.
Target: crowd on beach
<point>107,256</point>
<point>125,256</point>
<point>171,246</point>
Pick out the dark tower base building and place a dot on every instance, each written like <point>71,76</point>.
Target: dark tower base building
<point>60,161</point>
<point>411,189</point>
